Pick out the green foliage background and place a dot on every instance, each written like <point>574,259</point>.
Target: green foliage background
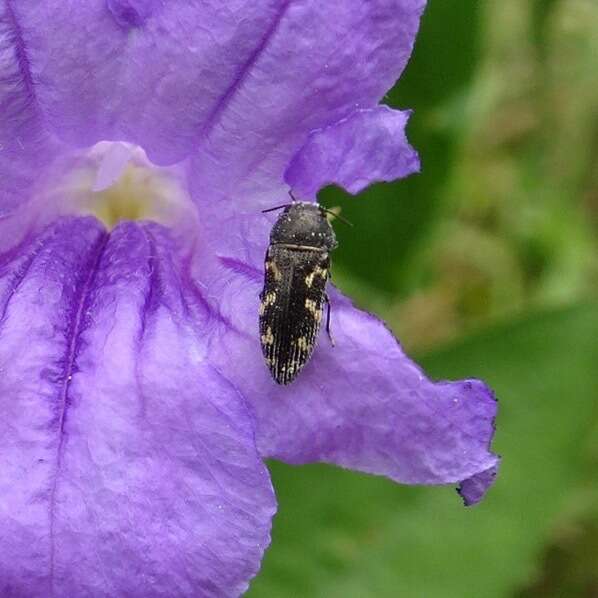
<point>485,265</point>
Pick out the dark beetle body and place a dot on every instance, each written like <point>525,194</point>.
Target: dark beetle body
<point>297,267</point>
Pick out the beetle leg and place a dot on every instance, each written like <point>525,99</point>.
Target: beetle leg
<point>328,319</point>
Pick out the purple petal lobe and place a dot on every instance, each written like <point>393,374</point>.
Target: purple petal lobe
<point>367,146</point>
<point>151,73</point>
<point>362,404</point>
<point>319,62</point>
<point>239,84</point>
<point>129,465</point>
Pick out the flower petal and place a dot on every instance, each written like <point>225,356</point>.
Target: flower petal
<point>89,64</point>
<point>240,83</point>
<point>362,404</point>
<point>24,144</point>
<point>473,489</point>
<point>366,147</point>
<point>319,63</point>
<point>129,465</point>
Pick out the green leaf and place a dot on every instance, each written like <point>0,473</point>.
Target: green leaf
<point>341,534</point>
<point>391,220</point>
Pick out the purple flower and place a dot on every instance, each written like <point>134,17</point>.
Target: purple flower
<point>136,407</point>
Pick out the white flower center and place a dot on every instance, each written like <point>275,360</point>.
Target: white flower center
<point>115,181</point>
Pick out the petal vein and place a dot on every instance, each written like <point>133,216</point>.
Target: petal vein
<point>72,338</point>
<point>21,51</point>
<point>243,73</point>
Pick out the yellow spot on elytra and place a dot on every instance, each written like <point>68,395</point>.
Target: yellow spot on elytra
<point>311,306</point>
<point>323,272</point>
<point>302,343</point>
<point>318,271</point>
<point>272,267</point>
<point>270,298</point>
<point>268,338</point>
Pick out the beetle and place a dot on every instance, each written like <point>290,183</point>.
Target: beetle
<point>296,270</point>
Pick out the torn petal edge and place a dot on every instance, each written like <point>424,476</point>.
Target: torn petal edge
<point>368,146</point>
<point>473,489</point>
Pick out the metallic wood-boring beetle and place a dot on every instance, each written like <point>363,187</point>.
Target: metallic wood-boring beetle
<point>297,267</point>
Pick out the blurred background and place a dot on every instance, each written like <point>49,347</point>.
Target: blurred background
<point>485,265</point>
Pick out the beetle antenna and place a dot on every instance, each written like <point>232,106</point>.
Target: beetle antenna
<point>284,205</point>
<point>333,213</point>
